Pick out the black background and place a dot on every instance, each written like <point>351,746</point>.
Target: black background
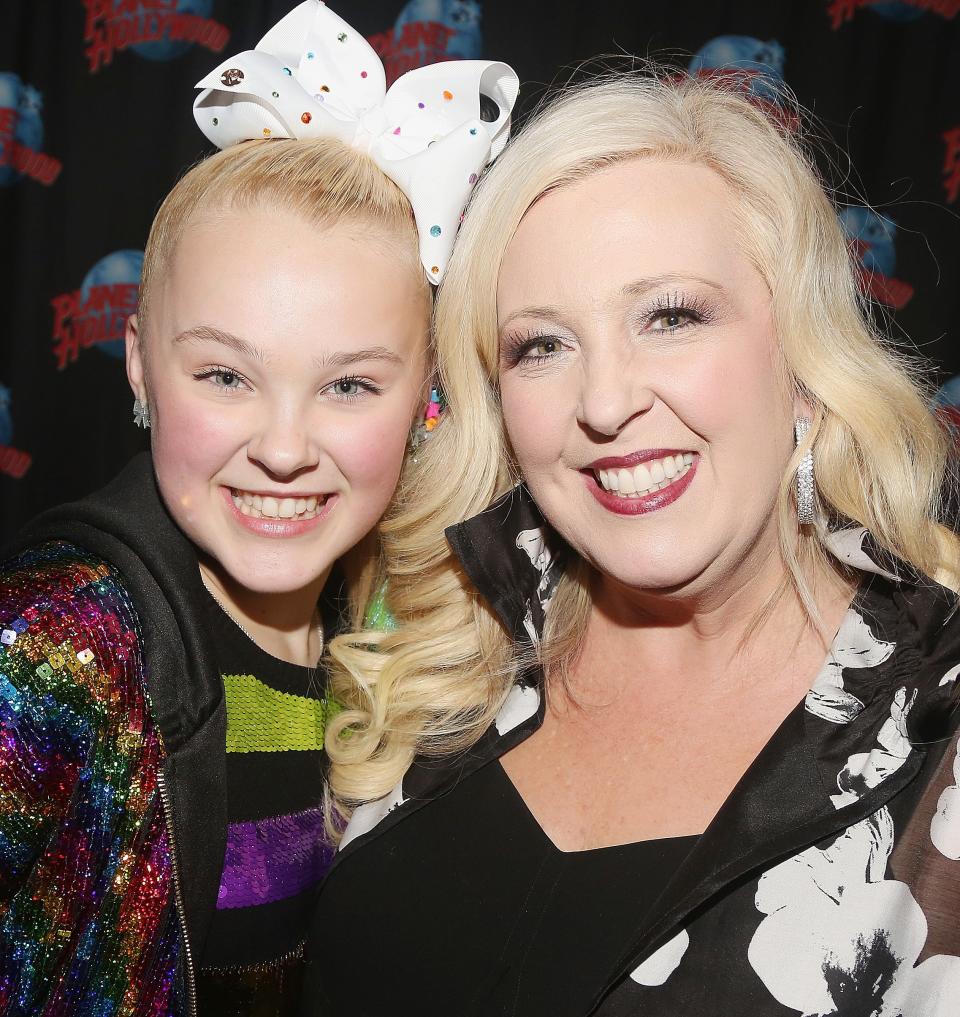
<point>881,79</point>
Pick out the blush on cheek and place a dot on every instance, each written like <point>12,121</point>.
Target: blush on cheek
<point>192,444</point>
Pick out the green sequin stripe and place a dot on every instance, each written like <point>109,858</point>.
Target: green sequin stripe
<point>262,719</point>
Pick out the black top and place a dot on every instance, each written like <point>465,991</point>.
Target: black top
<point>476,869</point>
<point>276,849</point>
<point>827,883</point>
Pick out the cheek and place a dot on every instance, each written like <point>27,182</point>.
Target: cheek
<point>369,450</point>
<point>191,441</point>
<point>533,414</point>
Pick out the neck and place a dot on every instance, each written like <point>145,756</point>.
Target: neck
<point>717,625</point>
<point>286,625</point>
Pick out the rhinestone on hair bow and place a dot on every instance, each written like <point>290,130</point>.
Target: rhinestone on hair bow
<point>432,132</point>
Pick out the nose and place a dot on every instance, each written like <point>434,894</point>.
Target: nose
<point>613,393</point>
<point>282,444</point>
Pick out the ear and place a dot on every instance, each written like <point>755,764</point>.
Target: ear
<point>135,368</point>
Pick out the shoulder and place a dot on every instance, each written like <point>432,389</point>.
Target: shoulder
<point>68,627</point>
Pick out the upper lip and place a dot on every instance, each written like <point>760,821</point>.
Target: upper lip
<point>633,458</point>
<point>279,494</point>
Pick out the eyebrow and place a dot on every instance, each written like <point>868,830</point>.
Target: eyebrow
<point>380,353</point>
<point>637,288</point>
<point>207,333</point>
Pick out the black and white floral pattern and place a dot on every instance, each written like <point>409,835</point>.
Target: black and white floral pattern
<point>828,885</point>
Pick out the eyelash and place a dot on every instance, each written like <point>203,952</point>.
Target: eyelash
<point>219,372</point>
<point>367,386</point>
<point>695,309</point>
<point>210,373</point>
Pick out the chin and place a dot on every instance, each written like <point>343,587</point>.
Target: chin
<point>653,571</point>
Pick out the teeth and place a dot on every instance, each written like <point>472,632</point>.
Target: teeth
<point>646,478</point>
<point>259,507</point>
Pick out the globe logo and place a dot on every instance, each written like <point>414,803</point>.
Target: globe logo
<point>121,267</point>
<point>463,16</point>
<point>760,63</point>
<point>167,49</point>
<point>871,237</point>
<point>20,123</point>
<point>897,11</point>
<point>6,420</point>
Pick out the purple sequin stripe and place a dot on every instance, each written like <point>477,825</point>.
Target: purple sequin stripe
<point>270,859</point>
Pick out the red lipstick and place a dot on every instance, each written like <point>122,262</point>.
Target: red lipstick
<point>637,506</point>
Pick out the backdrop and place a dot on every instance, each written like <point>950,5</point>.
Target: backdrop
<point>96,125</point>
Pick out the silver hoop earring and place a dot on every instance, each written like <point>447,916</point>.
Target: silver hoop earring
<point>141,414</point>
<point>805,512</point>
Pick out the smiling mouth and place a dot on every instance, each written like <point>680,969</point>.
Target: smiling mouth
<point>645,478</point>
<point>267,507</point>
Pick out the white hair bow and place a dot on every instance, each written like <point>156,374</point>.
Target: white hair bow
<point>312,75</point>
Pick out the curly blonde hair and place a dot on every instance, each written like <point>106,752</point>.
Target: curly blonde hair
<point>435,685</point>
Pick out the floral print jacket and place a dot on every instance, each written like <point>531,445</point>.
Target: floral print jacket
<point>829,881</point>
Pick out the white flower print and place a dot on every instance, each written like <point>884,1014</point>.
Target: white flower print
<point>662,963</point>
<point>365,817</point>
<point>854,646</point>
<point>865,770</point>
<point>520,705</point>
<point>950,676</point>
<point>945,825</point>
<point>839,938</point>
<point>533,543</point>
<point>535,546</point>
<point>847,546</point>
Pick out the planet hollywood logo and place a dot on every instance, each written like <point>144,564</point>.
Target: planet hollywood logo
<point>14,462</point>
<point>21,134</point>
<point>153,29</point>
<point>946,405</point>
<point>752,66</point>
<point>951,164</point>
<point>871,239</point>
<point>841,11</point>
<point>428,31</point>
<point>95,315</point>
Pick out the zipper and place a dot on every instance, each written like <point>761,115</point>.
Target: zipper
<point>190,974</point>
<point>262,966</point>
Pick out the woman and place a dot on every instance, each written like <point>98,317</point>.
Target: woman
<point>162,705</point>
<point>670,728</point>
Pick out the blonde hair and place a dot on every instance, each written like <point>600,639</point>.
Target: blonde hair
<point>880,455</point>
<point>324,181</point>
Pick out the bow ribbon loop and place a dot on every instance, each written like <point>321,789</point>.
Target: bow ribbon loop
<point>313,76</point>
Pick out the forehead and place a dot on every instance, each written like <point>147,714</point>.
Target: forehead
<point>271,276</point>
<point>641,218</point>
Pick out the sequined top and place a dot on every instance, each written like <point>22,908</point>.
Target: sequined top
<point>113,760</point>
<point>277,851</point>
<point>88,922</point>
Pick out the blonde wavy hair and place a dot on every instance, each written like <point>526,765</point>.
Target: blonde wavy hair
<point>323,181</point>
<point>435,685</point>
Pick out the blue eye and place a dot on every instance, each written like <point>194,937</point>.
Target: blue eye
<point>227,379</point>
<point>222,378</point>
<point>350,388</point>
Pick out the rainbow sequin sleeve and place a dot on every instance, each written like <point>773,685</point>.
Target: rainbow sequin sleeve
<point>86,921</point>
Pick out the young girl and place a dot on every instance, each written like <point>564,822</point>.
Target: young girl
<point>161,706</point>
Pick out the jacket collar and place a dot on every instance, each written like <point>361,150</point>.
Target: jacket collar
<point>883,694</point>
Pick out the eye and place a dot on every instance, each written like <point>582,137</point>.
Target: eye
<point>227,379</point>
<point>349,388</point>
<point>544,347</point>
<point>670,320</point>
<point>223,378</point>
